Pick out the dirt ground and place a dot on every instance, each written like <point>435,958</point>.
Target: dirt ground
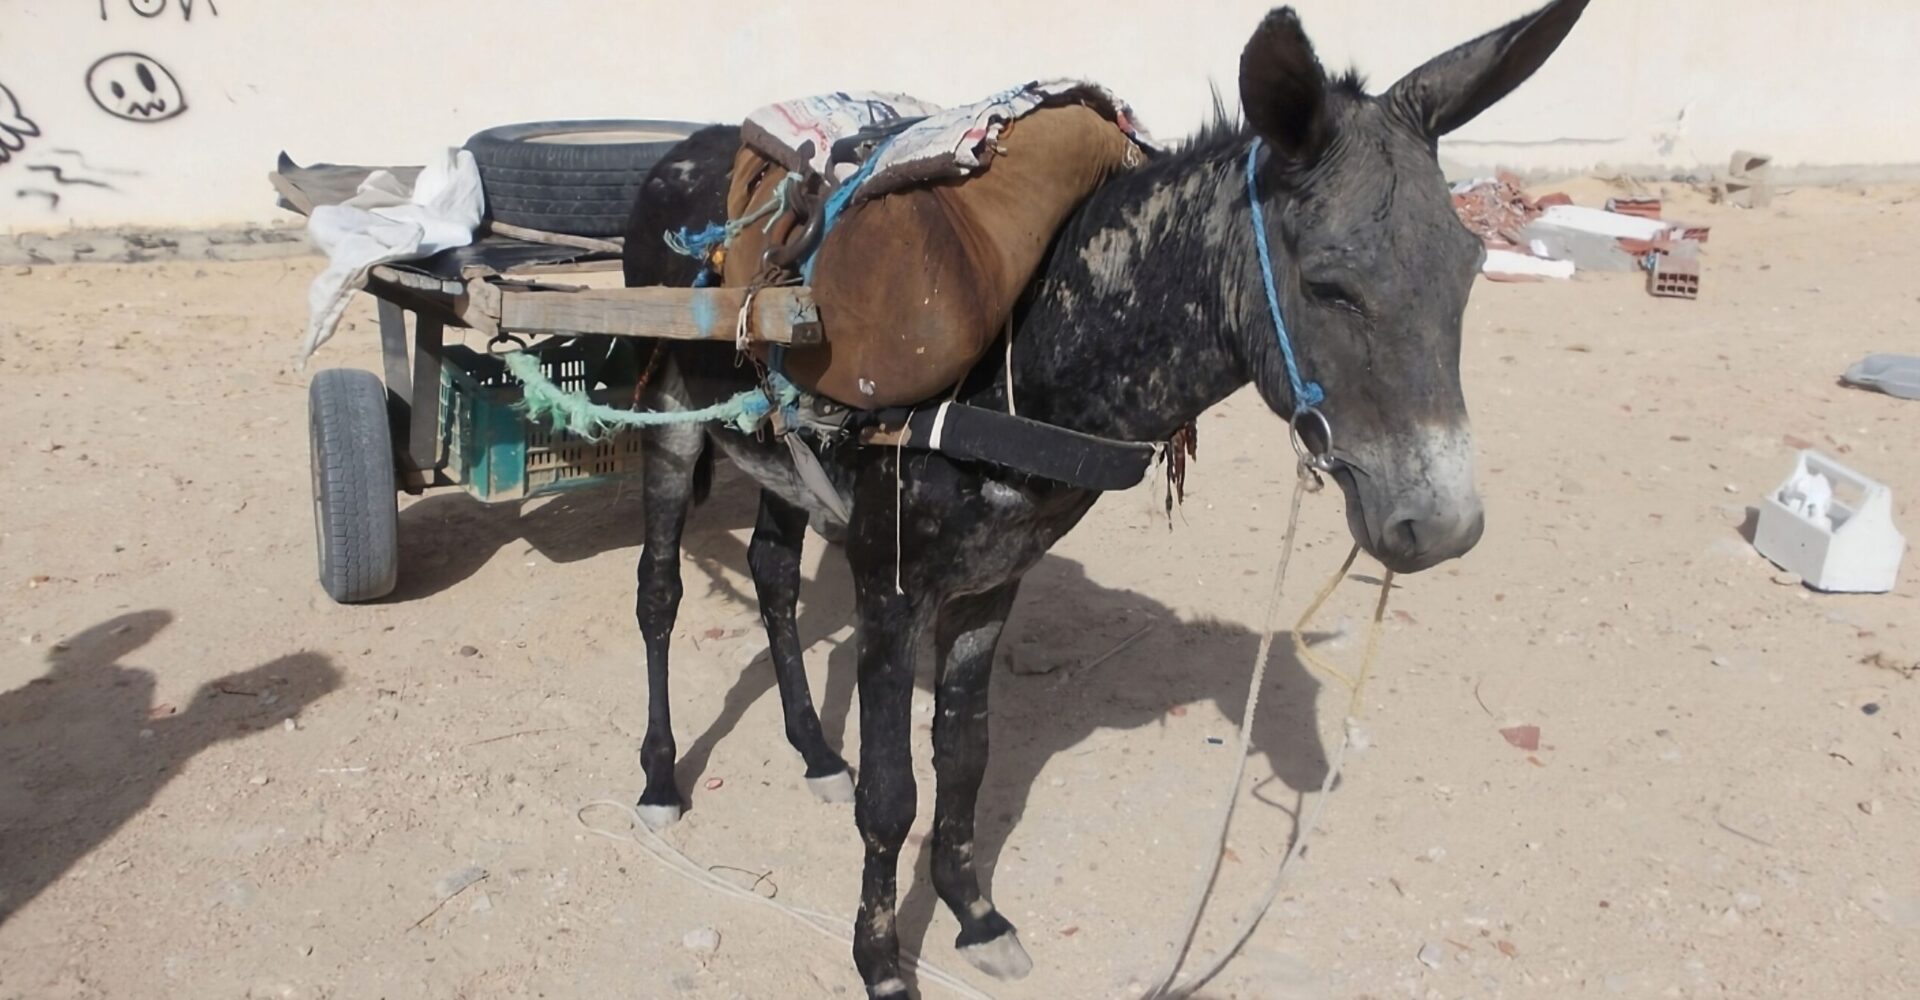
<point>216,783</point>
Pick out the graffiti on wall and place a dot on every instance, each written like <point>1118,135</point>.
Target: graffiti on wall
<point>134,86</point>
<point>68,168</point>
<point>15,127</point>
<point>129,86</point>
<point>154,8</point>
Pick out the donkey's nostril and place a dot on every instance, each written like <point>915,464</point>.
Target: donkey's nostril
<point>1411,544</point>
<point>1402,537</point>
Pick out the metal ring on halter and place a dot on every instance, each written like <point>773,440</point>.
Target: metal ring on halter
<point>505,338</point>
<point>1322,462</point>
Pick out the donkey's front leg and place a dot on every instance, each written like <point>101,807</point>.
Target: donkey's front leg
<point>774,558</point>
<point>966,636</point>
<point>884,798</point>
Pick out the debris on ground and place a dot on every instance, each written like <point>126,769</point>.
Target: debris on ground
<point>1497,210</point>
<point>1531,239</point>
<point>701,941</point>
<point>1832,545</point>
<point>1524,737</point>
<point>1897,375</point>
<point>1881,661</point>
<point>1749,181</point>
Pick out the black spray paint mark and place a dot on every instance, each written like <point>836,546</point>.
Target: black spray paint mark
<point>60,176</point>
<point>154,8</point>
<point>15,127</point>
<point>135,87</point>
<point>53,200</point>
<point>81,159</point>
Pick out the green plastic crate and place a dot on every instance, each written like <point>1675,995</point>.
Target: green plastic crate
<point>497,455</point>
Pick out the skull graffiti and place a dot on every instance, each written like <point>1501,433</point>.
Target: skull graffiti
<point>135,87</point>
<point>15,127</point>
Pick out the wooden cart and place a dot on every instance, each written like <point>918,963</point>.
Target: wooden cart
<point>440,415</point>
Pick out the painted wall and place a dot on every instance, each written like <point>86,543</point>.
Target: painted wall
<point>168,113</point>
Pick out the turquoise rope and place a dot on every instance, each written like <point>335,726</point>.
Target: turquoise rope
<point>1305,394</point>
<point>543,401</point>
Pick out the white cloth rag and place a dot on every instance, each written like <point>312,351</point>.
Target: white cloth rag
<point>384,222</point>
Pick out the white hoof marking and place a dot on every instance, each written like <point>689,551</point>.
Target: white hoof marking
<point>833,787</point>
<point>1001,958</point>
<point>659,818</point>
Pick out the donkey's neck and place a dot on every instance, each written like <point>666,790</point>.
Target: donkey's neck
<point>1136,323</point>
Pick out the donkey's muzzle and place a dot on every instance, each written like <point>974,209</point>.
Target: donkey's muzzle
<point>1411,540</point>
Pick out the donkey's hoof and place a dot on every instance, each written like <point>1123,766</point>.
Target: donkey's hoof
<point>889,989</point>
<point>832,787</point>
<point>1001,958</point>
<point>659,818</point>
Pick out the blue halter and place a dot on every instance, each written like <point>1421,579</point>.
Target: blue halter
<point>1306,395</point>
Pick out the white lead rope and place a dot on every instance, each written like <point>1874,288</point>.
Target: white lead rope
<point>1169,986</point>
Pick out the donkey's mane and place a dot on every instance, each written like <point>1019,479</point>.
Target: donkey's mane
<point>1224,131</point>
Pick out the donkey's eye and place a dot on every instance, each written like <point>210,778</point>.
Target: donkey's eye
<point>1334,294</point>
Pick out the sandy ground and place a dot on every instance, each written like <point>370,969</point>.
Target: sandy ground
<point>215,783</point>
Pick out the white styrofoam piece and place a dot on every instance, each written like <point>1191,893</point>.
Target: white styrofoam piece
<point>1832,545</point>
<point>1509,262</point>
<point>1604,223</point>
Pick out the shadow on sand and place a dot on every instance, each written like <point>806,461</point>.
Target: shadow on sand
<point>83,748</point>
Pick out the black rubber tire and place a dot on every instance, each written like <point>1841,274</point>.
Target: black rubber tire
<point>356,515</point>
<point>575,177</point>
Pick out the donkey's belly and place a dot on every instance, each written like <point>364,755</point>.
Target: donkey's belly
<point>1002,529</point>
<point>770,465</point>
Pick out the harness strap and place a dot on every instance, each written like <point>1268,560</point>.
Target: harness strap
<point>1306,395</point>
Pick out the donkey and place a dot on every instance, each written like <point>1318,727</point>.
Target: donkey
<point>1326,211</point>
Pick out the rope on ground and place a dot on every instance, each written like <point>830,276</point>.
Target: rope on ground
<point>1170,986</point>
<point>577,414</point>
<point>824,924</point>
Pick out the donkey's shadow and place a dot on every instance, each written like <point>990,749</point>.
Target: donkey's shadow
<point>1065,621</point>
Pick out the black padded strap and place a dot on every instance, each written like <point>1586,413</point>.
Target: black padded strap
<point>974,434</point>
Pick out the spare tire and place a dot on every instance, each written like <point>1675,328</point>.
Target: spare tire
<point>575,177</point>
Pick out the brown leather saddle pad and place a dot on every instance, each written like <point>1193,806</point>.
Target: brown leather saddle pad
<point>913,286</point>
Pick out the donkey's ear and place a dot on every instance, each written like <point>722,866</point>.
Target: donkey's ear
<point>1283,89</point>
<point>1451,89</point>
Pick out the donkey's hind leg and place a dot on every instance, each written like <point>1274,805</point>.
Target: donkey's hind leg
<point>668,461</point>
<point>774,559</point>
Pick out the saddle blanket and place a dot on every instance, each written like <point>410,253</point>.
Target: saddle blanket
<point>938,231</point>
<point>800,134</point>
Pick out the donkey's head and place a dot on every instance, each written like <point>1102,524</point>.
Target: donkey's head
<point>1371,268</point>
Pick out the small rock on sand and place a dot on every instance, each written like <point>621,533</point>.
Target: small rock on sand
<point>701,941</point>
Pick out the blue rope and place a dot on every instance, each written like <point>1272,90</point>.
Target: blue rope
<point>1305,394</point>
<point>838,201</point>
<point>699,246</point>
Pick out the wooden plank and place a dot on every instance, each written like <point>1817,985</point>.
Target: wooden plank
<point>415,281</point>
<point>780,315</point>
<point>556,239</point>
<point>575,267</point>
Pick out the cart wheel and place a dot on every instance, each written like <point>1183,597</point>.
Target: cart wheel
<point>355,512</point>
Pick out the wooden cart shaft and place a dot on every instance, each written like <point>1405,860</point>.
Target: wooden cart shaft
<point>495,305</point>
